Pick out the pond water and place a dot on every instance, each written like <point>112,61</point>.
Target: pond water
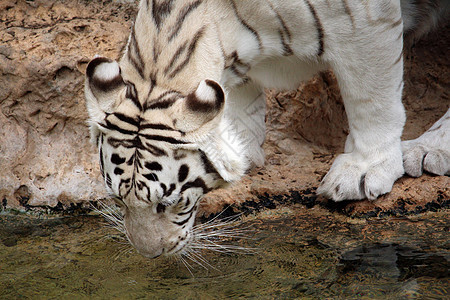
<point>299,253</point>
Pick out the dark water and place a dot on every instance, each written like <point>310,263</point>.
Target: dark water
<point>302,253</point>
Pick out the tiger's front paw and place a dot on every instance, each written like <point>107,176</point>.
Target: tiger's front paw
<point>351,178</point>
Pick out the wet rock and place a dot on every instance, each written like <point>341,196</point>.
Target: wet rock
<point>23,194</point>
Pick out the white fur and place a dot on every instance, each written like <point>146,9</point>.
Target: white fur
<point>227,150</point>
<point>431,151</point>
<point>368,80</point>
<point>205,92</point>
<point>363,49</point>
<point>107,71</point>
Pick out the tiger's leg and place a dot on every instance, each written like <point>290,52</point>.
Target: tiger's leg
<point>370,75</point>
<point>245,108</point>
<point>430,152</point>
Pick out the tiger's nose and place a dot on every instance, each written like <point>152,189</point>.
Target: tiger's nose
<point>151,255</point>
<point>148,248</point>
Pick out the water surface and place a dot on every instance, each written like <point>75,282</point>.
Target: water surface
<point>306,253</point>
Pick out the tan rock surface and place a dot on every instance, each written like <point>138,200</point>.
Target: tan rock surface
<point>45,154</point>
<point>44,46</point>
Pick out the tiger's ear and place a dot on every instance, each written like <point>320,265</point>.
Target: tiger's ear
<point>201,106</point>
<point>103,81</point>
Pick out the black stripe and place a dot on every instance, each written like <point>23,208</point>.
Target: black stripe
<point>233,62</point>
<point>124,182</point>
<point>126,143</point>
<point>246,25</point>
<point>118,171</point>
<point>163,95</point>
<point>117,160</point>
<point>152,84</point>
<point>170,191</point>
<point>132,94</point>
<point>175,57</point>
<point>161,104</point>
<point>140,185</point>
<point>320,32</point>
<point>102,163</point>
<point>115,127</point>
<point>237,72</point>
<point>153,166</point>
<point>184,12</point>
<point>161,138</point>
<point>197,183</point>
<point>127,119</point>
<point>160,11</point>
<point>136,143</point>
<point>190,51</point>
<point>151,176</point>
<point>156,50</point>
<point>156,127</point>
<point>285,28</point>
<point>207,164</point>
<point>137,61</point>
<point>285,34</point>
<point>164,188</point>
<point>137,161</point>
<point>156,151</point>
<point>287,50</point>
<point>236,61</point>
<point>187,212</point>
<point>183,172</point>
<point>181,223</point>
<point>108,181</point>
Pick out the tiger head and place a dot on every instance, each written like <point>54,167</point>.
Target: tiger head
<point>159,156</point>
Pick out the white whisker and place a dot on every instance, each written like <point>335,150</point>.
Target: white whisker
<point>187,265</point>
<point>113,218</point>
<point>210,235</point>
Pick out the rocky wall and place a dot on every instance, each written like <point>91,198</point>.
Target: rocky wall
<point>45,155</point>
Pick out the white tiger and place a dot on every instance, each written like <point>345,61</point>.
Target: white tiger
<point>182,112</point>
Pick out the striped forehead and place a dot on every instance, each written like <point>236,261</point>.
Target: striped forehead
<point>158,50</point>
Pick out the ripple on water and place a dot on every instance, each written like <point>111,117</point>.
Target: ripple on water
<point>393,269</point>
<point>87,261</point>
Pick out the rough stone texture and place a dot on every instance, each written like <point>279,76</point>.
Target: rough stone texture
<point>44,142</point>
<point>44,46</point>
